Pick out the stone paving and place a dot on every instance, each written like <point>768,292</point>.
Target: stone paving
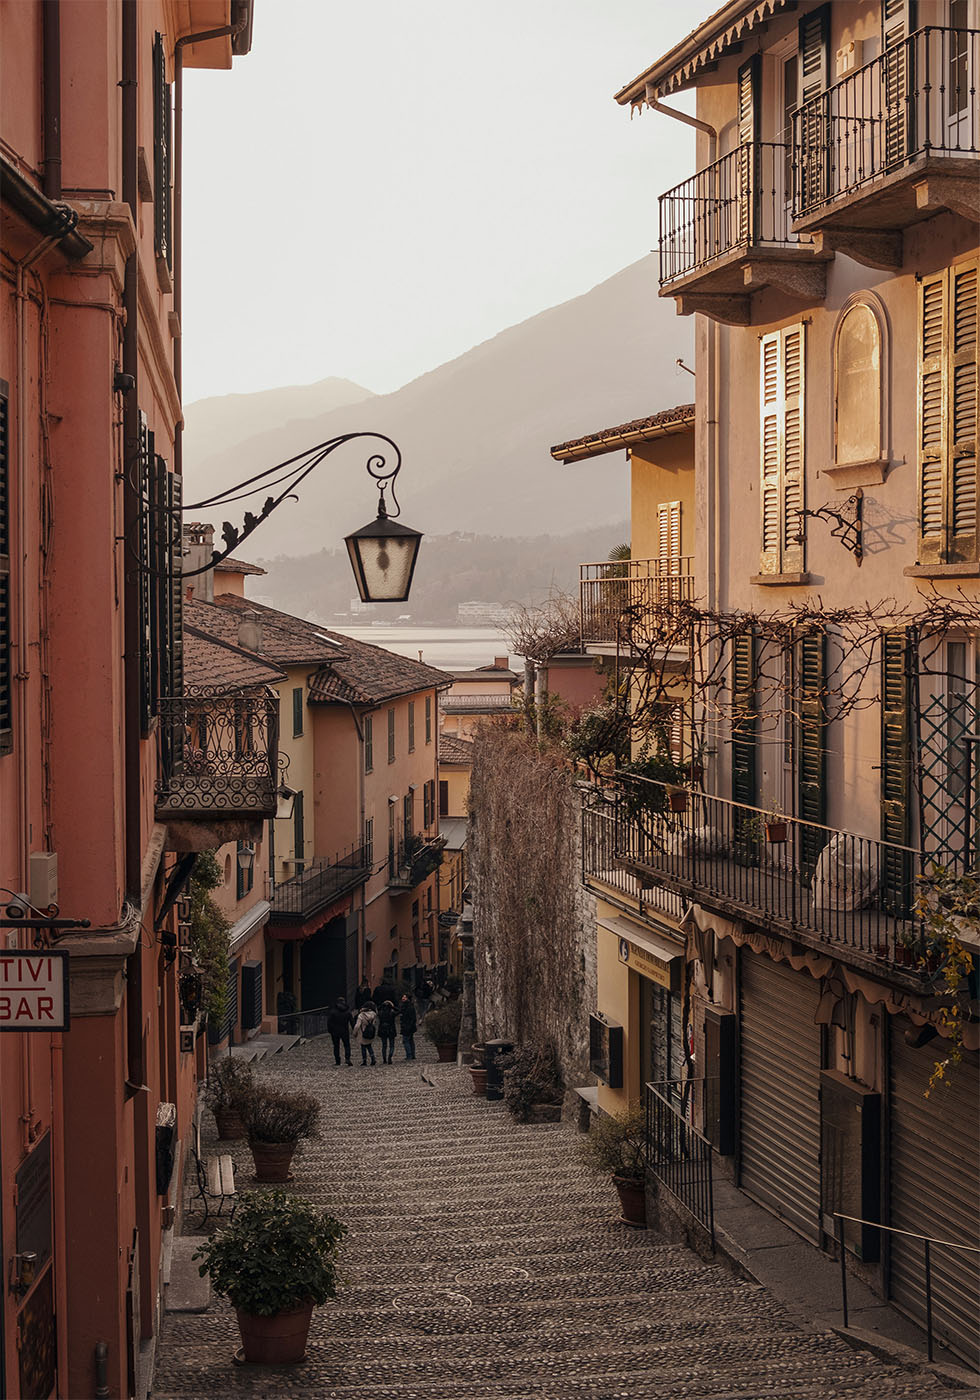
<point>485,1262</point>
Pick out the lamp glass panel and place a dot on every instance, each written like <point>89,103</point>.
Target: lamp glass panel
<point>383,566</point>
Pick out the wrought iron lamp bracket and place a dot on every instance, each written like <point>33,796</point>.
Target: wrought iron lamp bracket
<point>850,532</point>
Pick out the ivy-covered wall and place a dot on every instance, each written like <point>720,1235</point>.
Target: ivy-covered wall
<point>533,921</point>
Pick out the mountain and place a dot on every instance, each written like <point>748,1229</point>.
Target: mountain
<point>451,569</point>
<point>475,432</point>
<point>214,425</point>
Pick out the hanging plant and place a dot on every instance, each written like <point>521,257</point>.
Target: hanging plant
<point>208,936</point>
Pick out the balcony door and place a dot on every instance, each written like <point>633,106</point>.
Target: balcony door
<point>746,182</point>
<point>897,81</point>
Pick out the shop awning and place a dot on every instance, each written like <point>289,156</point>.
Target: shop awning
<point>651,954</point>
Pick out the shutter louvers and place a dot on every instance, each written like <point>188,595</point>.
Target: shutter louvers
<point>174,584</point>
<point>932,419</point>
<point>962,425</point>
<point>748,135</point>
<point>6,707</point>
<point>811,748</point>
<point>771,465</point>
<point>793,481</point>
<point>147,557</point>
<point>814,125</point>
<point>897,23</point>
<point>162,140</point>
<point>896,866</point>
<point>743,719</point>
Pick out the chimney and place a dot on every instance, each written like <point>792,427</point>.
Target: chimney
<point>250,631</point>
<point>501,663</point>
<point>198,548</point>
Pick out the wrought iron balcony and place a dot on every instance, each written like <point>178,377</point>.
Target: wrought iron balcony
<point>891,143</point>
<point>218,756</point>
<point>611,593</point>
<point>824,887</point>
<point>413,859</point>
<point>319,884</point>
<point>727,232</point>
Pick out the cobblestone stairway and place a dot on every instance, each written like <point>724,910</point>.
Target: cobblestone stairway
<point>484,1262</point>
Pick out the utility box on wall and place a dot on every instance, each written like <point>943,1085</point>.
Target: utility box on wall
<point>606,1050</point>
<point>850,1160</point>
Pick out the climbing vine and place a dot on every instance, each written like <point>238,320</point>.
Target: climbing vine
<point>531,943</point>
<point>949,904</point>
<point>209,936</point>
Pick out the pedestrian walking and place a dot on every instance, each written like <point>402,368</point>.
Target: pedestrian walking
<point>362,994</point>
<point>365,1029</point>
<point>339,1022</point>
<point>409,1021</point>
<point>423,998</point>
<point>383,992</point>
<point>386,1032</point>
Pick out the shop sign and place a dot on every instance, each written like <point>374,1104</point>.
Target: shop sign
<point>33,991</point>
<point>664,973</point>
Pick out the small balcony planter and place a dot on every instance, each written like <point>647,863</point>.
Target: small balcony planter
<point>677,799</point>
<point>298,1246</point>
<point>275,1121</point>
<point>776,831</point>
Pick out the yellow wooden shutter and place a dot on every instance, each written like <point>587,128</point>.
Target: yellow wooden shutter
<point>932,419</point>
<point>669,520</point>
<point>962,428</point>
<point>782,377</point>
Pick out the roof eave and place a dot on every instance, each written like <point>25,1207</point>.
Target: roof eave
<point>614,442</point>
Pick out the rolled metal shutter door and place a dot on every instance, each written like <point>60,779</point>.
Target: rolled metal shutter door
<point>779,1091</point>
<point>935,1188</point>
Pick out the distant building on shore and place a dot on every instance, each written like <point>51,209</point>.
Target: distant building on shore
<point>494,614</point>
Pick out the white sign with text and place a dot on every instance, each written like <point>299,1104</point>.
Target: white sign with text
<point>33,991</point>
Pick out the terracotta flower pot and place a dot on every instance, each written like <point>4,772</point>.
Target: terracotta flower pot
<point>678,801</point>
<point>776,833</point>
<point>279,1340</point>
<point>633,1201</point>
<point>229,1123</point>
<point>479,1081</point>
<point>272,1160</point>
<point>447,1052</point>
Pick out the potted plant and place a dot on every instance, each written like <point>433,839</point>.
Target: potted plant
<point>617,1144</point>
<point>776,826</point>
<point>275,1120</point>
<point>442,1028</point>
<point>677,799</point>
<point>478,1069</point>
<point>534,1086</point>
<point>230,1088</point>
<point>275,1262</point>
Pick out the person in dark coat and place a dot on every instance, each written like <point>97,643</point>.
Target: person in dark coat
<point>339,1022</point>
<point>385,992</point>
<point>409,1022</point>
<point>362,994</point>
<point>386,1031</point>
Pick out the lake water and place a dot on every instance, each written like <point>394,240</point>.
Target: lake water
<point>450,648</point>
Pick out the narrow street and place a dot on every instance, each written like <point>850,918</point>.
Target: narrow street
<point>485,1262</point>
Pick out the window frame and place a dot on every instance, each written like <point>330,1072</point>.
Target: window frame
<point>411,726</point>
<point>391,735</point>
<point>868,302</point>
<point>298,711</point>
<point>786,557</point>
<point>428,719</point>
<point>369,743</point>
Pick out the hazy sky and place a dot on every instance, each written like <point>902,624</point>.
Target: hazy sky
<point>382,184</point>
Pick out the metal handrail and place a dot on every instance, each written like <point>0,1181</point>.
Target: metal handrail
<point>686,1170</point>
<point>927,1241</point>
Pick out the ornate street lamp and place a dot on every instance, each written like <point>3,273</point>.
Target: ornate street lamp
<point>382,553</point>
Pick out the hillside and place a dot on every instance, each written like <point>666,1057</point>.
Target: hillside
<point>475,432</point>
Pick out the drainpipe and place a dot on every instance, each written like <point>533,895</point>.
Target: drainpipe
<point>178,229</point>
<point>131,494</point>
<point>51,129</point>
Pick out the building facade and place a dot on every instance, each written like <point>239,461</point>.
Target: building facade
<point>99,805</point>
<point>828,244</point>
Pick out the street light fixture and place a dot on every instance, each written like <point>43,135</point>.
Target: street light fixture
<point>285,802</point>
<point>382,553</point>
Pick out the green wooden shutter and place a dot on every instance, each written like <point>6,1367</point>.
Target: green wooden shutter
<point>6,706</point>
<point>146,581</point>
<point>174,583</point>
<point>814,125</point>
<point>897,23</point>
<point>299,834</point>
<point>812,747</point>
<point>298,716</point>
<point>743,720</point>
<point>896,759</point>
<point>162,140</point>
<point>963,412</point>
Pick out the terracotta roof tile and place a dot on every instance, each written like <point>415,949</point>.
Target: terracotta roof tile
<point>286,641</point>
<point>454,750</point>
<point>209,661</point>
<point>669,420</point>
<point>238,566</point>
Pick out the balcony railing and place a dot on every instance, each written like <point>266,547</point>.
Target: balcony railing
<point>217,756</point>
<point>610,593</point>
<point>319,884</point>
<point>915,100</point>
<point>821,885</point>
<point>413,859</point>
<point>678,1154</point>
<point>740,201</point>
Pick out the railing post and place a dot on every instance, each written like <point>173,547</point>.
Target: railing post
<point>843,1266</point>
<point>928,1301</point>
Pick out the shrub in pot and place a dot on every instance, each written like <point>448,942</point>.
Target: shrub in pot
<point>442,1028</point>
<point>275,1261</point>
<point>534,1085</point>
<point>230,1089</point>
<point>275,1120</point>
<point>617,1144</point>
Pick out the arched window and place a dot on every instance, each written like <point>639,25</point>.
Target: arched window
<point>857,387</point>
